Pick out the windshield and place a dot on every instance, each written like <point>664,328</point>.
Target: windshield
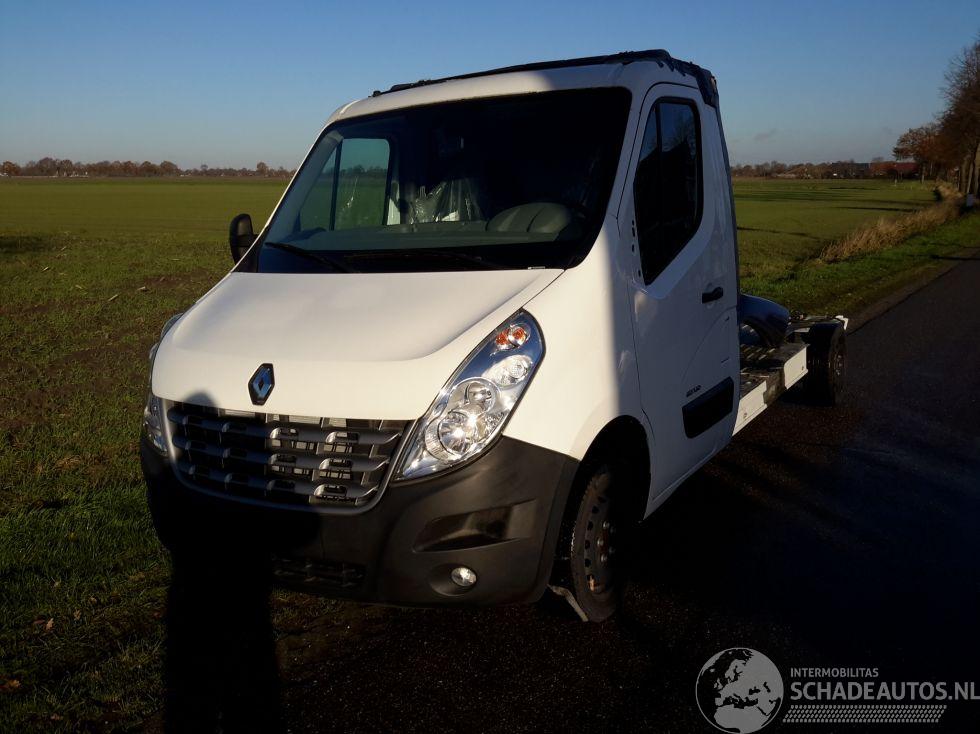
<point>502,182</point>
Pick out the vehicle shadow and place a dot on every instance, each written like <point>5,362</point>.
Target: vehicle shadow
<point>220,667</point>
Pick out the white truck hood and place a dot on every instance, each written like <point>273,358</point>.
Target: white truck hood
<point>345,345</point>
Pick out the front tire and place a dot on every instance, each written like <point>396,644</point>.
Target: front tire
<point>595,555</point>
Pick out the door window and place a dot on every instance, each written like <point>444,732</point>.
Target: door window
<point>667,189</point>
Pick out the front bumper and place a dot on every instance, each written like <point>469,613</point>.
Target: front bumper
<point>499,515</point>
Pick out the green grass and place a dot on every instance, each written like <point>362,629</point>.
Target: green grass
<point>90,270</point>
<point>784,224</point>
<point>189,210</point>
<point>851,285</point>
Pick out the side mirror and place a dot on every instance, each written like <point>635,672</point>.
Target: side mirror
<point>240,236</point>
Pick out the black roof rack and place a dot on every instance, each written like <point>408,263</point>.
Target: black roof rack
<point>706,82</point>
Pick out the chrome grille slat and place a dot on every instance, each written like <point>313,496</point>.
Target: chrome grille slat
<point>270,458</point>
<point>283,459</point>
<point>235,425</point>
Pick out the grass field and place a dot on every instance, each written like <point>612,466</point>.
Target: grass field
<point>90,270</point>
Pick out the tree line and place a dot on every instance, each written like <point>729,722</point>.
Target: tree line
<point>66,168</point>
<point>949,146</point>
<point>836,169</point>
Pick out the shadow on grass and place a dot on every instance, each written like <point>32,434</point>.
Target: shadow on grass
<point>808,235</point>
<point>220,670</point>
<point>23,244</point>
<point>890,209</point>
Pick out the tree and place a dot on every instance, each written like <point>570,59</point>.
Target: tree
<point>9,168</point>
<point>920,144</point>
<point>47,166</point>
<point>960,123</point>
<point>262,168</point>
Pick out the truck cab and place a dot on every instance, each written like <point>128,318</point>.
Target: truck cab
<point>493,322</point>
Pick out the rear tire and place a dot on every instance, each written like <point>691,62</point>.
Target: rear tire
<point>826,362</point>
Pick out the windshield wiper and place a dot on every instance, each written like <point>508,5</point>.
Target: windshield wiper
<point>433,254</point>
<point>336,263</point>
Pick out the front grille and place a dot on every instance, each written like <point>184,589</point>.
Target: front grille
<point>289,460</point>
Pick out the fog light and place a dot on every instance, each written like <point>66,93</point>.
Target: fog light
<point>463,576</point>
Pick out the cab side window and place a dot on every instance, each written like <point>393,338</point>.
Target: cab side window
<point>668,190</point>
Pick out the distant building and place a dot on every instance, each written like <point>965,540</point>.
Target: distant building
<point>894,169</point>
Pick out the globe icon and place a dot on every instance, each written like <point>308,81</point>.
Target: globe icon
<point>739,690</point>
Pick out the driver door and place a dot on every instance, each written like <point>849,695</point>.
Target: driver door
<point>676,219</point>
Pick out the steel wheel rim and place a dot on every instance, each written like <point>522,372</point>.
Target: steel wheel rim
<point>598,546</point>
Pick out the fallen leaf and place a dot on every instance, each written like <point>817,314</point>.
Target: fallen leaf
<point>112,298</point>
<point>49,625</point>
<point>45,268</point>
<point>67,462</point>
<point>55,717</point>
<point>141,288</point>
<point>77,615</point>
<point>8,686</point>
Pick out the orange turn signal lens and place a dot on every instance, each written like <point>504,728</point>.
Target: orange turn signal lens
<point>511,337</point>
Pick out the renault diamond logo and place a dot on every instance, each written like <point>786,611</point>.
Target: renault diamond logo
<point>261,384</point>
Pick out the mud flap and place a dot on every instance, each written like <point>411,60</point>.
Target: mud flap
<point>570,598</point>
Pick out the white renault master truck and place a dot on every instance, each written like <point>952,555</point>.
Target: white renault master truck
<point>492,323</point>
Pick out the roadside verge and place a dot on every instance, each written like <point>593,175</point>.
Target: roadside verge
<point>867,285</point>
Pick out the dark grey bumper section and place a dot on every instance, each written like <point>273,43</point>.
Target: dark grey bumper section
<point>499,515</point>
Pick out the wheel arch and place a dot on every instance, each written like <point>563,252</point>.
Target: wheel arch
<point>624,441</point>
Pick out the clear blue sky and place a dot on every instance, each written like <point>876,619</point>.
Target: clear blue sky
<point>231,83</point>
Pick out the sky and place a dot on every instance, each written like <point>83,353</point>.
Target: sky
<point>232,83</point>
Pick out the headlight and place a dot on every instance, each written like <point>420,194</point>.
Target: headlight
<point>153,412</point>
<point>471,410</point>
<point>153,422</point>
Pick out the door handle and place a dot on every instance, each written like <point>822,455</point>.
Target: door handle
<point>713,295</point>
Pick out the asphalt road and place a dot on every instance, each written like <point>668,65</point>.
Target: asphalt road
<point>820,537</point>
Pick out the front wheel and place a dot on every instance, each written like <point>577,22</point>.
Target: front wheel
<point>594,547</point>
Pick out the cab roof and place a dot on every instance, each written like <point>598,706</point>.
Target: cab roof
<point>585,72</point>
<point>706,82</point>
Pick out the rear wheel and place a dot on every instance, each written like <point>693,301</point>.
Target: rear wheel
<point>826,362</point>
